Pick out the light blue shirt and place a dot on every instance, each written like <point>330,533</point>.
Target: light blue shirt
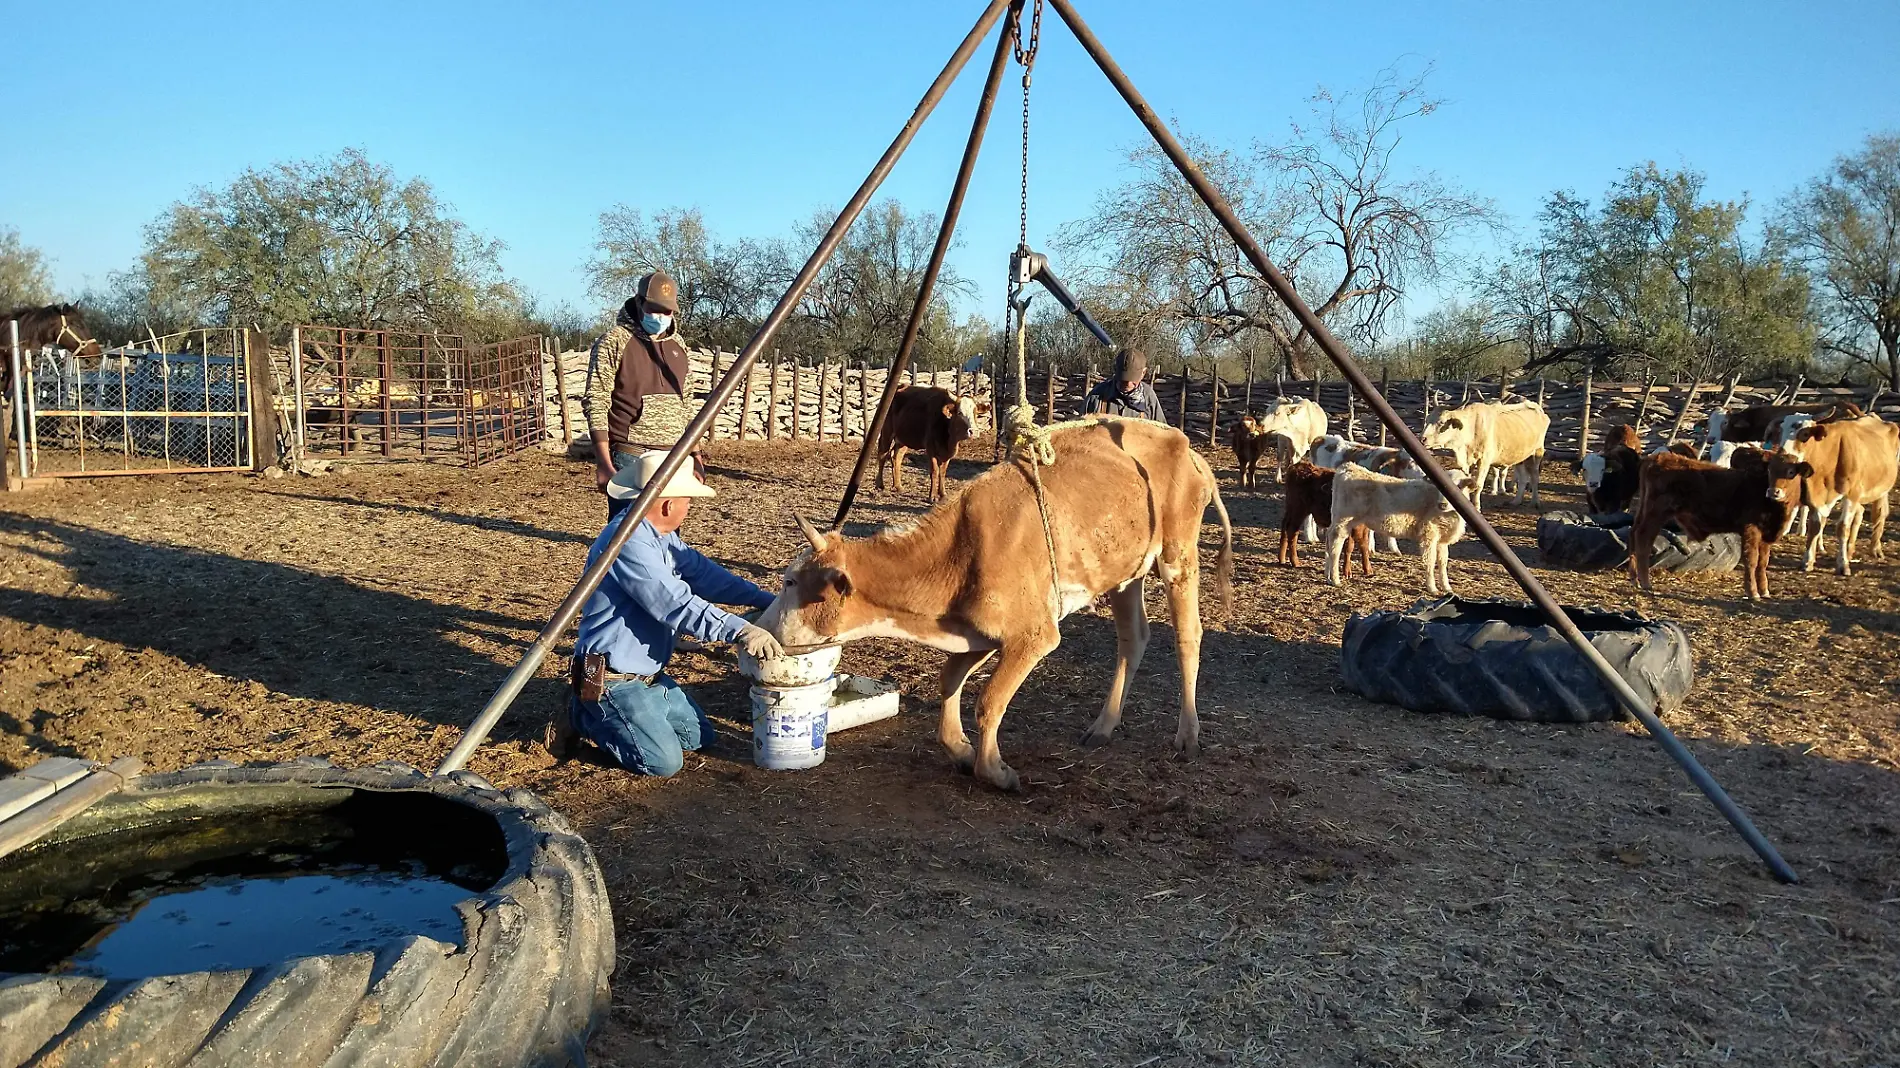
<point>658,589</point>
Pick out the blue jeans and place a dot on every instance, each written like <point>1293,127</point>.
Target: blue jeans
<point>648,729</point>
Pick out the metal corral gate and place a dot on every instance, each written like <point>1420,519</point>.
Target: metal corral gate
<point>506,410</point>
<point>179,403</point>
<point>362,393</point>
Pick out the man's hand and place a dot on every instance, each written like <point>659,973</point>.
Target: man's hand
<point>759,642</point>
<point>603,473</point>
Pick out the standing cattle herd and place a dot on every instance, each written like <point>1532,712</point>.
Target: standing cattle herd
<point>1762,472</point>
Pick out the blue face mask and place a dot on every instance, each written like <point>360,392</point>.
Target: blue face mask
<point>655,325</point>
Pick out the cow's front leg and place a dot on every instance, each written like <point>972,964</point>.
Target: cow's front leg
<point>956,671</point>
<point>1131,642</point>
<point>897,469</point>
<point>1184,605</point>
<point>1020,656</point>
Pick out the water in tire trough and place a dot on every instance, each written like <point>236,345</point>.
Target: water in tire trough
<point>208,894</point>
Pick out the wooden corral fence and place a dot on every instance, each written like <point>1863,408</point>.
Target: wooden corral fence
<point>1663,411</point>
<point>784,398</point>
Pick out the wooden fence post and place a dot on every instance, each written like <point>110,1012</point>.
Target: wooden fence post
<point>1213,405</point>
<point>1540,391</point>
<point>1385,390</point>
<point>798,398</point>
<point>560,386</point>
<point>1184,394</point>
<point>1049,405</point>
<point>1583,431</point>
<point>1246,402</point>
<point>1425,418</point>
<point>771,403</point>
<point>864,399</point>
<point>824,395</point>
<point>1642,406</point>
<point>745,408</point>
<point>712,428</point>
<point>1682,415</point>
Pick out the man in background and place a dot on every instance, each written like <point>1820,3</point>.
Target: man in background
<point>636,382</point>
<point>1126,391</point>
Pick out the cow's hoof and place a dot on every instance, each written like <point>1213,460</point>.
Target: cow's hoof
<point>1189,748</point>
<point>1004,778</point>
<point>962,757</point>
<point>1095,739</point>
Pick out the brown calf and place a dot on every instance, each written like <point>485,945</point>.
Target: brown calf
<point>1309,495</point>
<point>1754,498</point>
<point>930,420</point>
<point>1250,443</point>
<point>974,576</point>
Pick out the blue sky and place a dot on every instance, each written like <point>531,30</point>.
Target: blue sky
<point>533,118</point>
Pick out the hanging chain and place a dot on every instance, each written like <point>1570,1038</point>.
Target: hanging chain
<point>1026,55</point>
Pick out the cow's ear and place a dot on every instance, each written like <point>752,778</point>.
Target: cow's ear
<point>950,411</point>
<point>1812,432</point>
<point>983,408</point>
<point>839,581</point>
<point>1804,469</point>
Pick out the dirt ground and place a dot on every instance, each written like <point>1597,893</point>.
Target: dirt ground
<point>1331,883</point>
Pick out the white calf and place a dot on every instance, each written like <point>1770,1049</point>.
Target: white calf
<point>1399,508</point>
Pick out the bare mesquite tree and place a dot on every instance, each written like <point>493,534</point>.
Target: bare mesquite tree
<point>1845,227</point>
<point>1335,210</point>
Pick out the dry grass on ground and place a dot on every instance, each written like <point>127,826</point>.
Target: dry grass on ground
<point>1333,882</point>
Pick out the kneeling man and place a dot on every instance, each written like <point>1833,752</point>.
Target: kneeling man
<point>658,589</point>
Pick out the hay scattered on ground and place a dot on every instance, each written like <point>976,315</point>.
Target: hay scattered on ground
<point>1331,883</point>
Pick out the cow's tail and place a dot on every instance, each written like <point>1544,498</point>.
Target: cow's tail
<point>1224,563</point>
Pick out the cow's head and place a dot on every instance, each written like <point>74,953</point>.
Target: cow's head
<point>1450,433</point>
<point>1594,467</point>
<point>815,605</point>
<point>1785,475</point>
<point>1788,430</point>
<point>961,414</point>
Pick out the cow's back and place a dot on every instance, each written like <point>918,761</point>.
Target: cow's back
<point>1118,488</point>
<point>1517,432</point>
<point>1866,462</point>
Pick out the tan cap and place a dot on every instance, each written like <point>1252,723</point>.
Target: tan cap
<point>632,478</point>
<point>660,291</point>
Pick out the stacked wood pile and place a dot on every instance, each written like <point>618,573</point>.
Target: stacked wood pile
<point>782,398</point>
<point>848,394</point>
<point>1657,408</point>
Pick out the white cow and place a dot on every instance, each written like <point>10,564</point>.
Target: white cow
<point>1409,508</point>
<point>1488,435</point>
<point>1333,452</point>
<point>1293,424</point>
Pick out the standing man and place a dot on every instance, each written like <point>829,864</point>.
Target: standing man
<point>622,699</point>
<point>1126,391</point>
<point>636,382</point>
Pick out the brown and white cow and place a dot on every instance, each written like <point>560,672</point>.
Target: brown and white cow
<point>973,577</point>
<point>1309,503</point>
<point>1489,434</point>
<point>1851,463</point>
<point>930,420</point>
<point>1612,474</point>
<point>1758,423</point>
<point>1754,498</point>
<point>1291,426</point>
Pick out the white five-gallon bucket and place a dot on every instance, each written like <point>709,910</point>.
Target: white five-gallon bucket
<point>789,725</point>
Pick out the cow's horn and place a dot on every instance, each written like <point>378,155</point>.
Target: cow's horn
<point>811,533</point>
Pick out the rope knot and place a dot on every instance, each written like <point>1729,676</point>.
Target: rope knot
<point>1024,440</point>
